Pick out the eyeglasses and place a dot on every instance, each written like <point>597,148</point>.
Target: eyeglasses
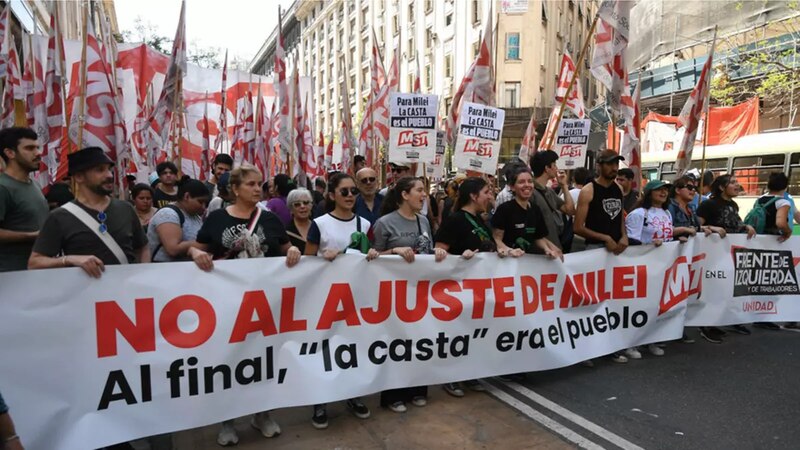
<point>101,217</point>
<point>344,192</point>
<point>300,203</point>
<point>367,180</point>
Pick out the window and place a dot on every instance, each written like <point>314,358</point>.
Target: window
<point>411,78</point>
<point>411,12</point>
<point>412,50</point>
<point>448,65</point>
<point>428,38</point>
<point>476,47</point>
<point>752,172</point>
<point>395,25</point>
<point>476,12</point>
<point>428,6</point>
<point>559,24</point>
<point>511,93</point>
<point>718,166</point>
<point>428,78</point>
<point>448,19</point>
<point>512,46</point>
<point>544,12</point>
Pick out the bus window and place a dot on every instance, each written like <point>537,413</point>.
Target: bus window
<point>752,172</point>
<point>717,165</point>
<point>794,174</point>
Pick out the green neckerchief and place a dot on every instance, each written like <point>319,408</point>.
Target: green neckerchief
<point>359,240</point>
<point>479,230</point>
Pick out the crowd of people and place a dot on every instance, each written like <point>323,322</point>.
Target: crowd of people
<point>239,214</point>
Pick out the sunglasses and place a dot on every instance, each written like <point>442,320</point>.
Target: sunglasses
<point>689,187</point>
<point>301,203</point>
<point>367,180</point>
<point>344,192</point>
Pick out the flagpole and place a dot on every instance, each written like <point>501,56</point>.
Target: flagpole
<point>705,125</point>
<point>82,105</point>
<point>59,50</point>
<point>578,67</point>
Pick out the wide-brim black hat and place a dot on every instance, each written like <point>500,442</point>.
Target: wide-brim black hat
<point>86,159</point>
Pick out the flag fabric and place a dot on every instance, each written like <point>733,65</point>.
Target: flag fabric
<point>53,101</point>
<point>394,71</point>
<point>575,99</point>
<point>223,111</point>
<point>297,127</point>
<point>29,77</point>
<point>477,86</point>
<point>320,155</point>
<point>13,85</point>
<point>263,132</point>
<point>608,59</point>
<point>631,145</point>
<point>282,93</point>
<point>103,124</point>
<point>550,130</point>
<point>205,154</point>
<point>309,152</point>
<point>348,140</point>
<point>375,122</point>
<point>4,47</point>
<point>161,117</point>
<point>329,153</point>
<point>273,147</point>
<point>528,140</point>
<point>417,88</point>
<point>696,105</point>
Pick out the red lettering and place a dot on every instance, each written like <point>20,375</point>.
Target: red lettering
<point>503,295</point>
<point>602,293</point>
<point>530,294</point>
<point>574,293</point>
<point>339,295</point>
<point>478,288</point>
<point>384,308</point>
<point>681,281</point>
<point>206,321</point>
<point>254,302</point>
<point>288,322</point>
<point>548,280</point>
<point>623,282</point>
<point>420,308</point>
<point>473,145</point>
<point>110,318</point>
<point>440,294</point>
<point>641,281</point>
<point>591,289</point>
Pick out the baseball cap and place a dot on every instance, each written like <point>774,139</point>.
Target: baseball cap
<point>609,156</point>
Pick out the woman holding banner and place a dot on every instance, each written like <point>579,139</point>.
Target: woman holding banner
<point>339,231</point>
<point>243,230</point>
<point>465,233</point>
<point>402,230</point>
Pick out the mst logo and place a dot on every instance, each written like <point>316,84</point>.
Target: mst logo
<point>478,147</point>
<point>763,272</point>
<point>408,137</point>
<point>682,280</point>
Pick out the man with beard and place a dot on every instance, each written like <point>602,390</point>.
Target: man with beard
<point>23,208</point>
<point>93,230</point>
<point>223,163</point>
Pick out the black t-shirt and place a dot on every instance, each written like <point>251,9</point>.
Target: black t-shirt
<point>629,201</point>
<point>64,233</point>
<point>162,199</point>
<point>520,226</point>
<point>459,233</point>
<point>226,236</point>
<point>295,237</point>
<point>605,212</point>
<point>723,213</point>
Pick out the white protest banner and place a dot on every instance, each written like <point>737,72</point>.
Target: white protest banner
<point>412,132</point>
<point>572,141</point>
<point>155,348</point>
<point>478,141</point>
<point>435,170</point>
<point>336,159</point>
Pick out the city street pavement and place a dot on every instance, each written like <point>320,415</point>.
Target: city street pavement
<point>742,394</point>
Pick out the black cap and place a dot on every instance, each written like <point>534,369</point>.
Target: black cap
<point>86,159</point>
<point>609,156</point>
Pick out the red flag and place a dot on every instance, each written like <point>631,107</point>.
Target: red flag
<point>103,125</point>
<point>631,146</point>
<point>550,129</point>
<point>348,140</point>
<point>575,100</point>
<point>528,140</point>
<point>53,101</point>
<point>282,96</point>
<point>394,72</point>
<point>320,155</point>
<point>4,47</point>
<point>477,86</point>
<point>13,86</point>
<point>696,105</point>
<point>263,132</point>
<point>375,122</point>
<point>161,117</point>
<point>308,156</point>
<point>297,129</point>
<point>223,110</point>
<point>418,80</point>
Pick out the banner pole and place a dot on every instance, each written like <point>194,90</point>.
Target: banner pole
<point>578,67</point>
<point>82,105</point>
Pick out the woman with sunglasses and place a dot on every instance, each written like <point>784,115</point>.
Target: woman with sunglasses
<point>173,228</point>
<point>339,231</point>
<point>684,215</point>
<point>300,202</point>
<point>243,230</point>
<point>402,230</point>
<point>464,233</point>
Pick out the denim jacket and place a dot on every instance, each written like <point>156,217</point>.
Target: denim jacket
<point>680,218</point>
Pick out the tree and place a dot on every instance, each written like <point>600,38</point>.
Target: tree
<point>208,57</point>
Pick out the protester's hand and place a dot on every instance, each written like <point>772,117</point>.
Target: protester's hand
<point>90,264</point>
<point>751,232</point>
<point>719,230</point>
<point>707,231</point>
<point>516,252</point>
<point>621,246</point>
<point>783,238</point>
<point>330,254</point>
<point>562,178</point>
<point>692,232</point>
<point>683,239</point>
<point>440,254</point>
<point>657,242</point>
<point>372,254</point>
<point>611,245</point>
<point>554,253</point>
<point>502,252</point>
<point>468,254</point>
<point>203,259</point>
<point>292,256</point>
<point>406,253</point>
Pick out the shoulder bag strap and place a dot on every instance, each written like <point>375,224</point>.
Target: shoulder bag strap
<point>94,226</point>
<point>254,221</point>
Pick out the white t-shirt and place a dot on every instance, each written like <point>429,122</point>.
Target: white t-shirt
<point>333,233</point>
<point>648,225</point>
<point>574,192</point>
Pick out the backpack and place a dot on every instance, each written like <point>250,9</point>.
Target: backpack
<point>181,219</point>
<point>757,217</point>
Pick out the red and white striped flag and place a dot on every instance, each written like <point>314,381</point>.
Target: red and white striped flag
<point>13,85</point>
<point>297,129</point>
<point>393,74</point>
<point>550,129</point>
<point>54,105</point>
<point>575,99</point>
<point>328,161</point>
<point>375,122</point>
<point>309,152</point>
<point>608,60</point>
<point>4,47</point>
<point>271,136</point>
<point>161,117</point>
<point>694,108</point>
<point>282,93</point>
<point>528,140</point>
<point>320,155</point>
<point>223,110</point>
<point>631,148</point>
<point>477,86</point>
<point>417,88</point>
<point>263,132</point>
<point>348,139</point>
<point>205,151</point>
<point>103,124</point>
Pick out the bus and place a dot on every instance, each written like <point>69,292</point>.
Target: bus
<point>751,159</point>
